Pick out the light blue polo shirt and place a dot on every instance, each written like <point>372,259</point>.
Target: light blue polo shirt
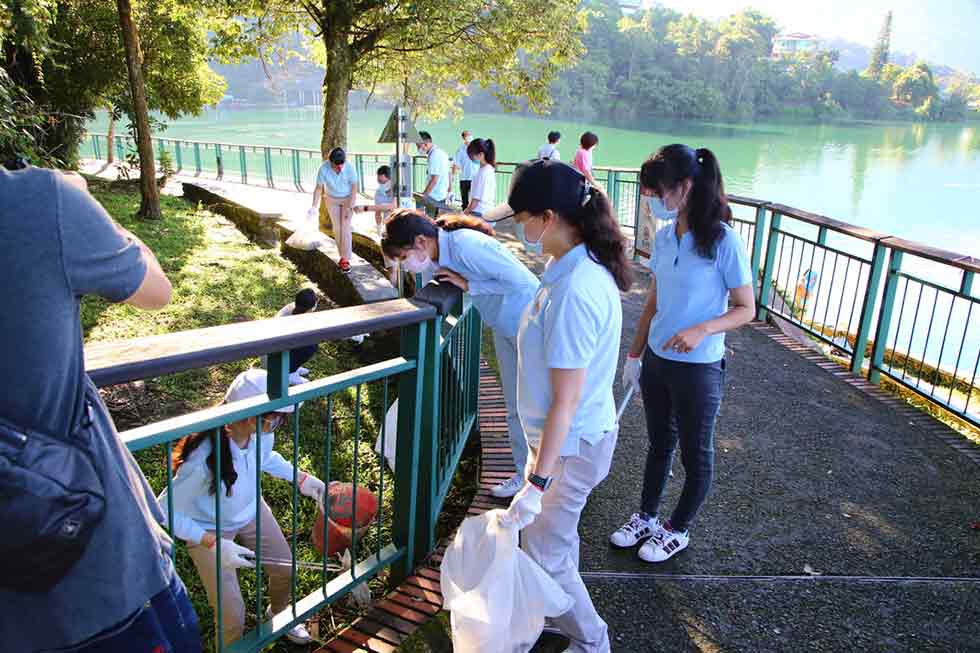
<point>337,185</point>
<point>692,289</point>
<point>574,322</point>
<point>467,166</point>
<point>438,167</point>
<point>500,285</point>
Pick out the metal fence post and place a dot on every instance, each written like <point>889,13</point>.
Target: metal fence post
<point>294,157</point>
<point>868,306</point>
<point>612,181</point>
<point>966,286</point>
<point>242,166</point>
<point>885,317</point>
<point>218,161</point>
<point>758,239</point>
<point>268,166</point>
<point>197,158</point>
<point>120,150</point>
<point>636,218</point>
<point>178,156</point>
<point>406,505</point>
<point>95,147</point>
<point>765,284</point>
<point>425,529</point>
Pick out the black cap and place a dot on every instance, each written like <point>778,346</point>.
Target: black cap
<point>305,300</point>
<point>542,184</point>
<point>338,156</point>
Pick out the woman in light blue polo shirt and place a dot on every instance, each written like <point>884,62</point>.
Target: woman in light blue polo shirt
<point>568,349</point>
<point>471,258</point>
<point>700,287</point>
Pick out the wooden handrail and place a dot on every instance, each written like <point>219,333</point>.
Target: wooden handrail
<point>968,263</point>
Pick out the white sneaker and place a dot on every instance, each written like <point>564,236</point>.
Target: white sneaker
<point>664,547</point>
<point>635,530</point>
<point>508,488</point>
<point>298,634</point>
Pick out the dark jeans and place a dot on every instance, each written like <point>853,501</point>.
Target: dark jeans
<point>681,402</point>
<point>464,191</point>
<point>299,356</point>
<point>166,624</point>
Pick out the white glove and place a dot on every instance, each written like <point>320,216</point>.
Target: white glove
<point>311,486</point>
<point>631,372</point>
<point>296,378</point>
<point>524,507</point>
<point>312,214</point>
<point>234,556</point>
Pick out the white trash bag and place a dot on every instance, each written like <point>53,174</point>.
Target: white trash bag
<point>306,240</point>
<point>497,595</point>
<point>391,436</point>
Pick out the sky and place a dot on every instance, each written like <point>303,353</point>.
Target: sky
<point>940,31</point>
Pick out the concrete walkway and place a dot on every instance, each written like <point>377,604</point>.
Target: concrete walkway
<point>836,522</point>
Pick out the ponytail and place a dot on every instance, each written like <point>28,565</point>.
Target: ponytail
<point>707,204</point>
<point>603,239</point>
<point>403,226</point>
<point>485,147</point>
<point>186,446</point>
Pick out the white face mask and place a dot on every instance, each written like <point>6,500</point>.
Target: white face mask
<point>533,246</point>
<point>659,210</point>
<point>417,262</point>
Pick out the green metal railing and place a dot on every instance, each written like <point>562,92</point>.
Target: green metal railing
<point>895,308</point>
<point>436,377</point>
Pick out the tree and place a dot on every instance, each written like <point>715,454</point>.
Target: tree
<point>514,48</point>
<point>149,194</point>
<point>915,86</point>
<point>880,54</point>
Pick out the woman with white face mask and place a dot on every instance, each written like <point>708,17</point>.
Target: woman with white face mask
<point>461,250</point>
<point>568,346</point>
<point>700,287</point>
<point>194,489</point>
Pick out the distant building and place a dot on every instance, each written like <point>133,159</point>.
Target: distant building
<point>633,6</point>
<point>795,43</point>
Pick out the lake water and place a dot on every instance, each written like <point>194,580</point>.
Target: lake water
<point>917,181</point>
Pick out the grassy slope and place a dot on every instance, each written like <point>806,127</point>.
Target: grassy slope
<point>220,277</point>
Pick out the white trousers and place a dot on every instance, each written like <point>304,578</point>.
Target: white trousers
<point>553,542</point>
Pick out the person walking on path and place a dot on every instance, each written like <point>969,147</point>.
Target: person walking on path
<point>466,168</point>
<point>111,586</point>
<point>243,512</point>
<point>700,287</point>
<point>470,258</point>
<point>437,169</point>
<point>484,196</point>
<point>336,183</point>
<point>583,156</point>
<point>568,349</point>
<point>550,149</point>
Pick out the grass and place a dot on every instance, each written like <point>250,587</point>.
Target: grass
<point>220,277</point>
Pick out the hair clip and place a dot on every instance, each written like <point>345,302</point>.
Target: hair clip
<point>587,190</point>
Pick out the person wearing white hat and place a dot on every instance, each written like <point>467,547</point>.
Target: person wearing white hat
<point>194,489</point>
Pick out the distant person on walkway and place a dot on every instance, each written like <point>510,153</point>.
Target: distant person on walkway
<point>337,184</point>
<point>700,287</point>
<point>583,156</point>
<point>470,257</point>
<point>465,168</point>
<point>384,203</point>
<point>305,302</point>
<point>550,149</point>
<point>84,561</point>
<point>194,489</point>
<point>568,349</point>
<point>437,187</point>
<point>484,196</point>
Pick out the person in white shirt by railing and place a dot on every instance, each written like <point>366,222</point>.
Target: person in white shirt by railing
<point>465,168</point>
<point>550,149</point>
<point>484,195</point>
<point>501,287</point>
<point>194,489</point>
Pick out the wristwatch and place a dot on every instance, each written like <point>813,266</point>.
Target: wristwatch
<point>539,482</point>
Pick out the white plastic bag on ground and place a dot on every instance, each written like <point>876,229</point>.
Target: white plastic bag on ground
<point>391,436</point>
<point>306,239</point>
<point>497,595</point>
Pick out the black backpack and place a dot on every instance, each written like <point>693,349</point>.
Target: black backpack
<point>51,501</point>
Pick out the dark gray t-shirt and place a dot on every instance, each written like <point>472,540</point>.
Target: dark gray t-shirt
<point>57,244</point>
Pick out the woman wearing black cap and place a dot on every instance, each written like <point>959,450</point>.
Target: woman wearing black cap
<point>336,183</point>
<point>568,349</point>
<point>700,287</point>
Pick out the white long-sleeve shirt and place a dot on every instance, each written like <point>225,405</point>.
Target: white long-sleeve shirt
<point>193,502</point>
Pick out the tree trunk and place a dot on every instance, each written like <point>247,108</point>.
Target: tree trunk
<point>111,136</point>
<point>336,85</point>
<point>150,202</point>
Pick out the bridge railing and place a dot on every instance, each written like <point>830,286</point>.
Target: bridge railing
<point>895,308</point>
<point>435,377</point>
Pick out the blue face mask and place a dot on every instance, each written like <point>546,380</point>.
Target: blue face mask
<point>531,246</point>
<point>658,210</point>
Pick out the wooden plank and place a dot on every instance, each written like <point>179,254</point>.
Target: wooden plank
<point>113,362</point>
<point>746,201</point>
<point>861,233</point>
<point>365,640</point>
<point>960,261</point>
